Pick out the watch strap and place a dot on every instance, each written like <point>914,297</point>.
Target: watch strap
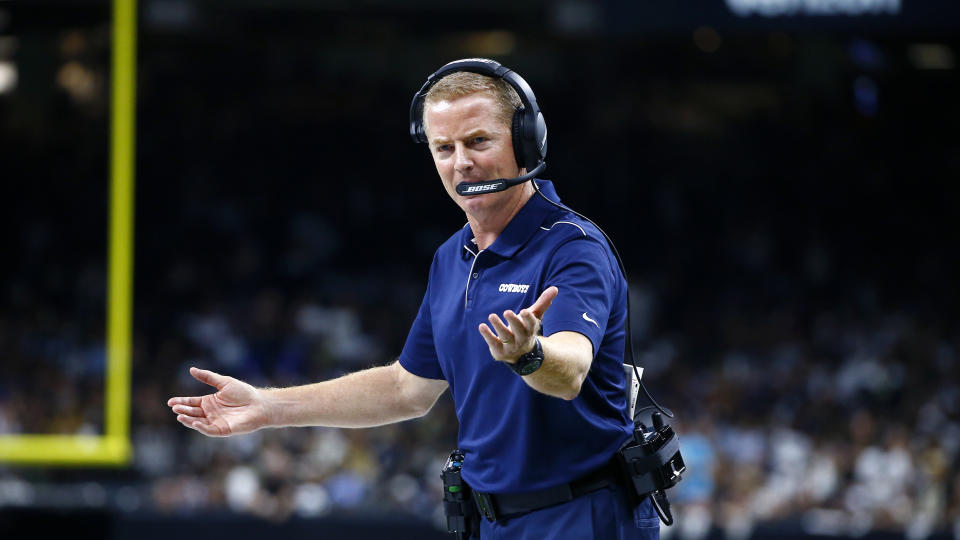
<point>529,362</point>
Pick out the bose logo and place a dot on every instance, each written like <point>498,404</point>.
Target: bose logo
<point>480,189</point>
<point>514,287</point>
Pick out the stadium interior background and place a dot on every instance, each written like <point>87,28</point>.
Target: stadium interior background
<point>782,186</point>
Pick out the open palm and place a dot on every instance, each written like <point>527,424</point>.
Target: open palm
<point>234,409</point>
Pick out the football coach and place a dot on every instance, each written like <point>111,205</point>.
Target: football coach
<point>523,320</point>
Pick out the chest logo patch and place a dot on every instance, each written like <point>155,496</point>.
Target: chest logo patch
<point>514,288</point>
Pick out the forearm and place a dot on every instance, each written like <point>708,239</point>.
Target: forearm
<point>566,362</point>
<point>372,397</point>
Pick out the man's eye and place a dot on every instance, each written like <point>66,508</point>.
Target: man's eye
<point>443,148</point>
<point>478,140</point>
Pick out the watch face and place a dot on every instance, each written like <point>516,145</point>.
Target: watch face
<point>530,367</point>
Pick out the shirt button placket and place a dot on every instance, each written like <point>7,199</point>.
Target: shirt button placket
<point>473,289</point>
<point>473,276</point>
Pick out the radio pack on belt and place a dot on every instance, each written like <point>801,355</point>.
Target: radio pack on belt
<point>462,517</point>
<point>652,463</point>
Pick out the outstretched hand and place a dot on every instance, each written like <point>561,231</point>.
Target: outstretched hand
<point>516,337</point>
<point>235,408</point>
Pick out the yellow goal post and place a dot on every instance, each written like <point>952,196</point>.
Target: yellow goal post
<point>112,448</point>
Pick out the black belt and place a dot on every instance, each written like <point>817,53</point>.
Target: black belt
<point>495,506</point>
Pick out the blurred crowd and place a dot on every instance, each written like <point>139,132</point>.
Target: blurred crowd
<point>845,419</point>
<point>803,326</point>
<point>847,429</point>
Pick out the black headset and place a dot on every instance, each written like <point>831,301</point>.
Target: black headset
<point>528,127</point>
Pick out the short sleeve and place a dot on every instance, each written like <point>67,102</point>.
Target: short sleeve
<point>582,272</point>
<point>419,355</point>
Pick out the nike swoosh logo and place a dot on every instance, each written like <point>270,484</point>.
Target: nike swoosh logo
<point>590,320</point>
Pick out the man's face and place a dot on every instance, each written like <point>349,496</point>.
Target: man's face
<point>469,142</point>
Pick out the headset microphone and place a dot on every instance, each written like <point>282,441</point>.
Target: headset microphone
<point>500,184</point>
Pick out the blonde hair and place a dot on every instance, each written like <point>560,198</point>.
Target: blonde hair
<point>464,83</point>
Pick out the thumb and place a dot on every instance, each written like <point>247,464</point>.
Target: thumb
<point>209,377</point>
<point>540,306</point>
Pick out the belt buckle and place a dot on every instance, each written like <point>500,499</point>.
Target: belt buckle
<point>485,505</point>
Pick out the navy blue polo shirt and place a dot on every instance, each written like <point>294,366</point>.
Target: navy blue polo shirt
<point>514,437</point>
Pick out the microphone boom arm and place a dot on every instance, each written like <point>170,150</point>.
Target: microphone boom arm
<point>499,184</point>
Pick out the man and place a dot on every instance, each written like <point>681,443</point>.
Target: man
<point>523,320</point>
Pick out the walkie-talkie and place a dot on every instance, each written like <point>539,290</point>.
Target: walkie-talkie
<point>457,503</point>
<point>653,463</point>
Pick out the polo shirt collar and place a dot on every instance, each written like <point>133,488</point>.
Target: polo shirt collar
<point>523,225</point>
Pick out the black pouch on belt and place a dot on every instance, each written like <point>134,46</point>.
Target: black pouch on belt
<point>463,520</point>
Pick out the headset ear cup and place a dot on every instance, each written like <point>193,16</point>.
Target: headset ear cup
<point>518,142</point>
<point>421,132</point>
<point>540,139</point>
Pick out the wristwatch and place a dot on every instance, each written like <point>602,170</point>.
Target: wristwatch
<point>529,362</point>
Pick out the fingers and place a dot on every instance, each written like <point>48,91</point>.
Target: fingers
<point>504,333</point>
<point>188,409</point>
<point>209,377</point>
<point>505,337</point>
<point>187,420</point>
<point>191,411</point>
<point>543,303</point>
<point>209,430</point>
<point>193,401</point>
<point>516,330</point>
<point>496,346</point>
<point>203,427</point>
<point>530,321</point>
<point>523,325</point>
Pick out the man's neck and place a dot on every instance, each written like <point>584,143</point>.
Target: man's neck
<point>487,228</point>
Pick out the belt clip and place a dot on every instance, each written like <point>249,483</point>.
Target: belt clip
<point>485,505</point>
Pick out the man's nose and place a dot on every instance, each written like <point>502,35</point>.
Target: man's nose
<point>463,162</point>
